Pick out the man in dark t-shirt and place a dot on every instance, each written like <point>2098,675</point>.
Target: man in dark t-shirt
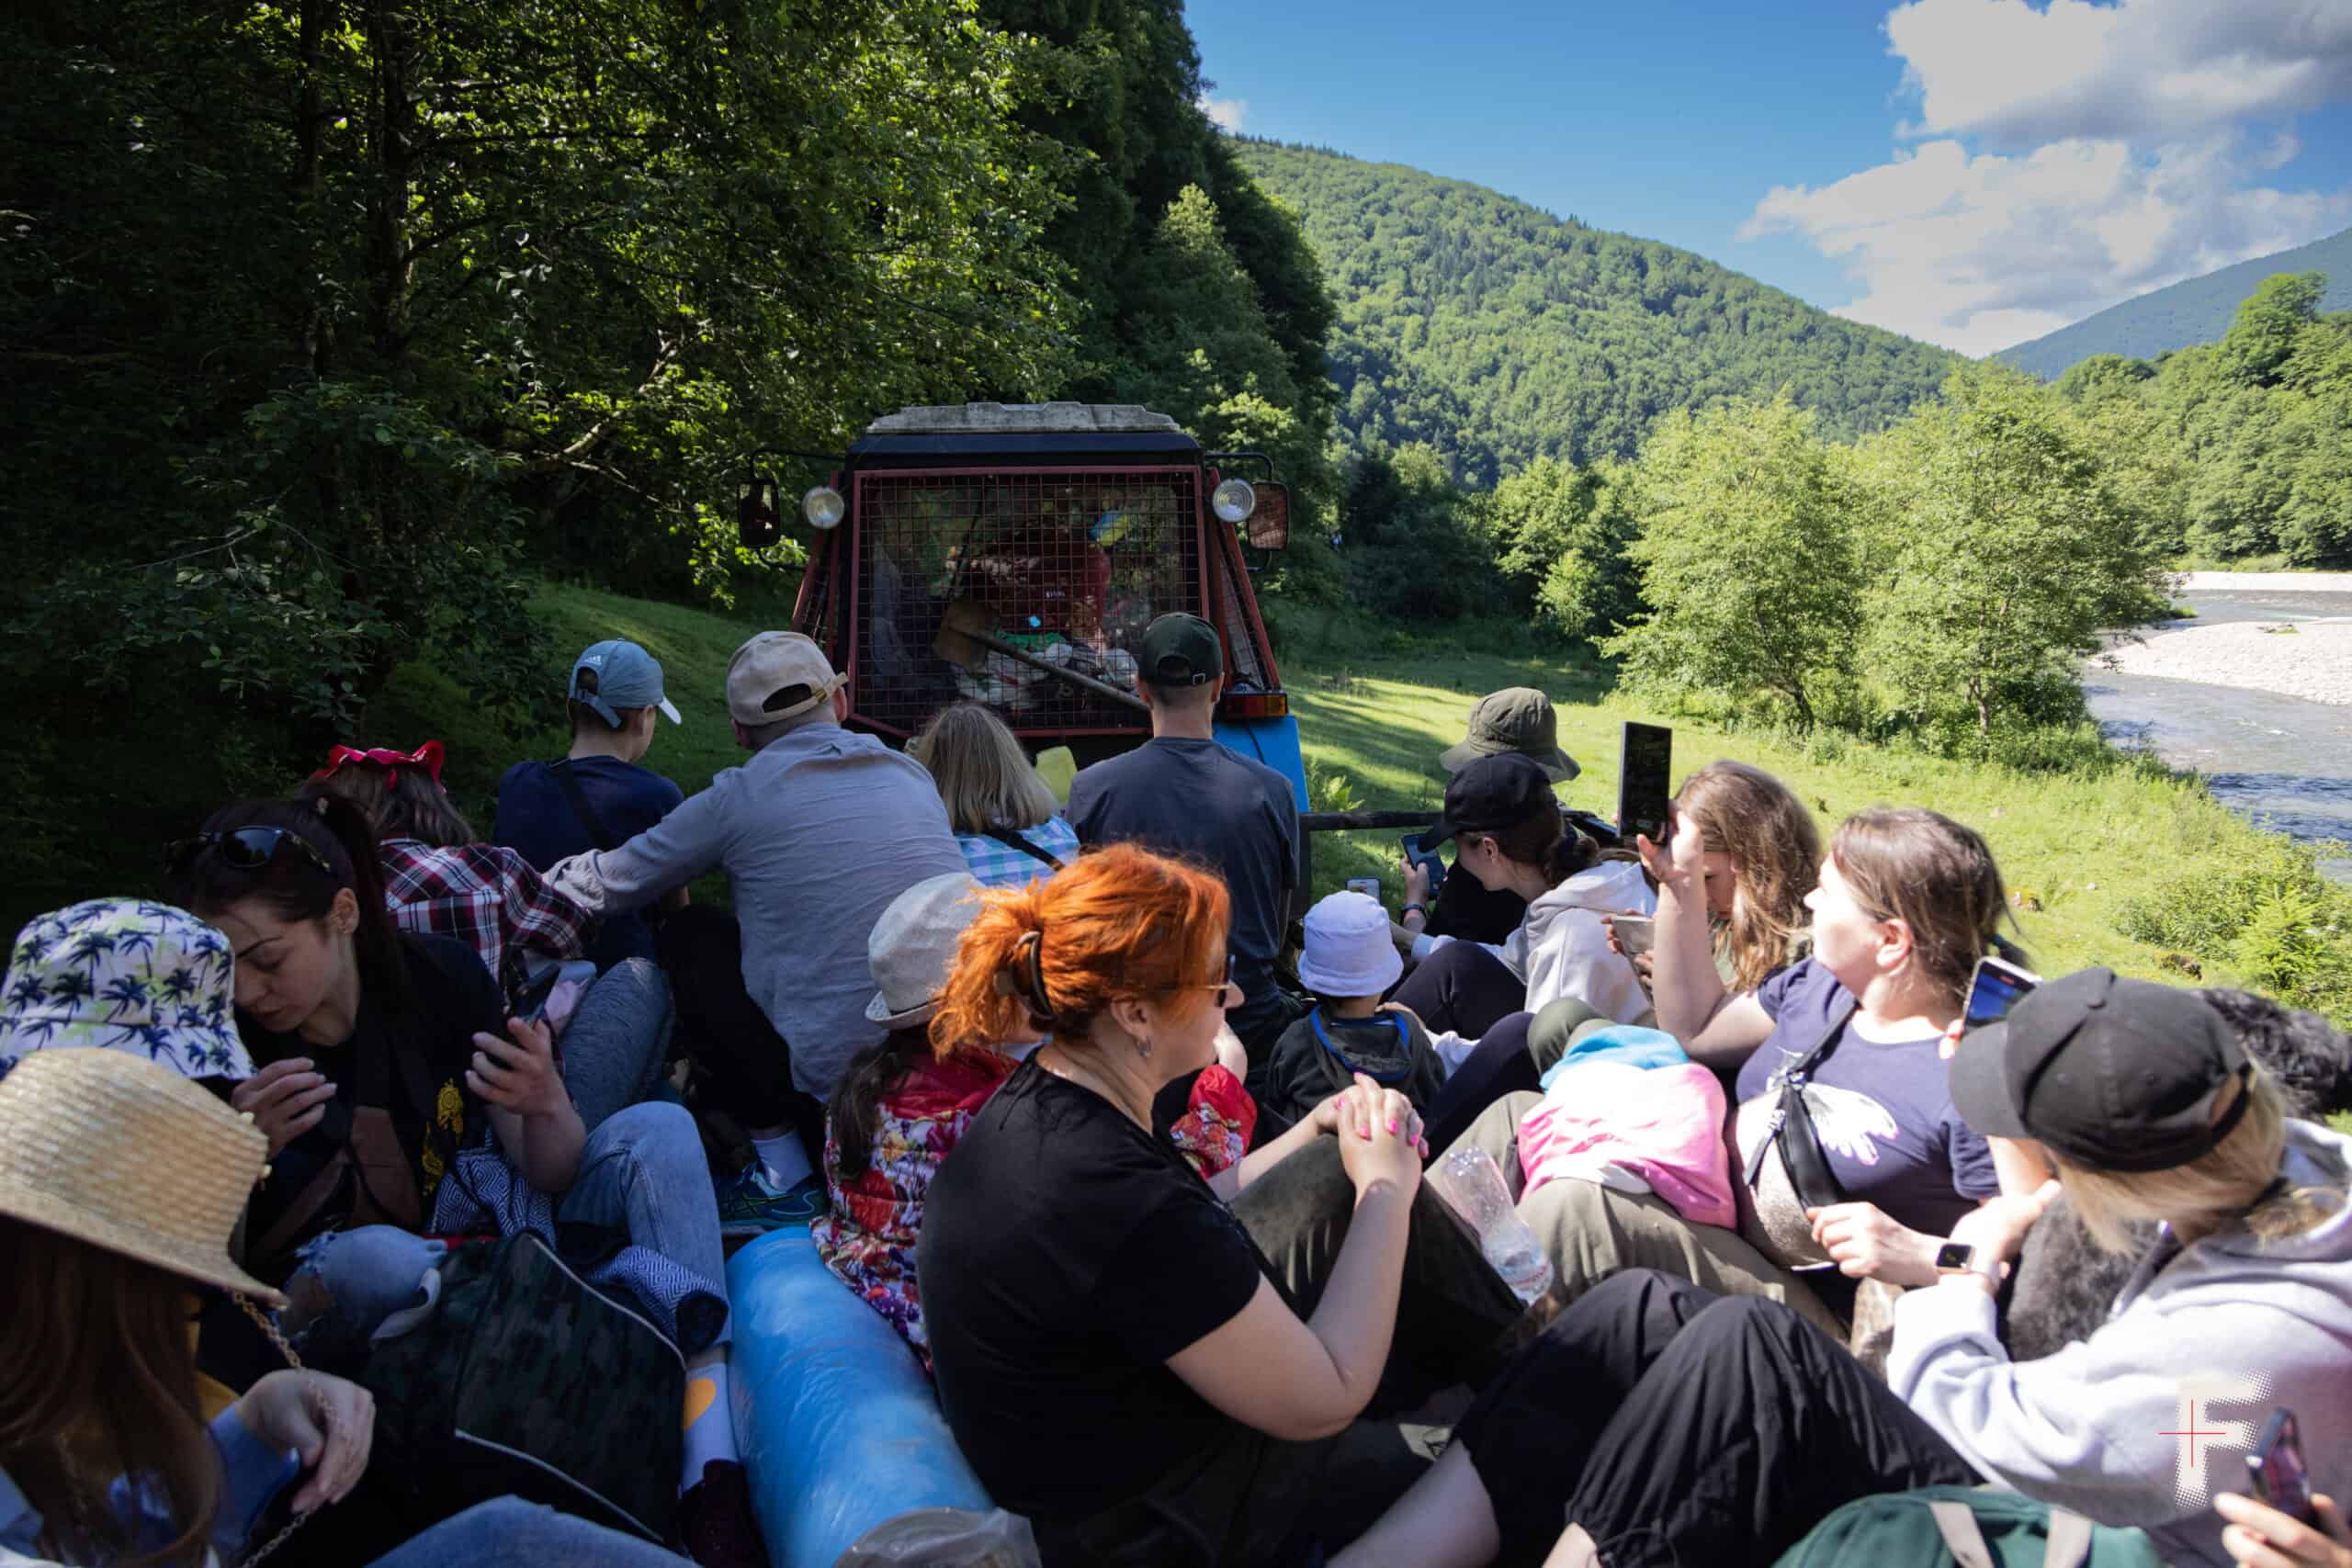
<point>1182,793</point>
<point>597,797</point>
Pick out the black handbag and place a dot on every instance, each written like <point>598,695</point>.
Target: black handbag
<point>1791,1129</point>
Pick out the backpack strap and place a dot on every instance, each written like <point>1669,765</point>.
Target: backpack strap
<point>1011,840</point>
<point>1956,1522</point>
<point>604,837</point>
<point>2070,1541</point>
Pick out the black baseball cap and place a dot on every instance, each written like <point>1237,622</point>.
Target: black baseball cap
<point>1490,795</point>
<point>1179,650</point>
<point>2115,1075</point>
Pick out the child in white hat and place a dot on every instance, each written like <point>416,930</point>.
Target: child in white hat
<point>1349,962</point>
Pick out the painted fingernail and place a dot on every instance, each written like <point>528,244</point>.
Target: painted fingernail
<point>1392,1123</point>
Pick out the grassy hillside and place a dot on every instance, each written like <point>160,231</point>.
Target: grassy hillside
<point>2195,310</point>
<point>1496,332</point>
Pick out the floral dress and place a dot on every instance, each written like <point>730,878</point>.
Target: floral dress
<point>868,1238</point>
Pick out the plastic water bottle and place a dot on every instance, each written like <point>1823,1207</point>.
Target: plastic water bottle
<point>1471,1185</point>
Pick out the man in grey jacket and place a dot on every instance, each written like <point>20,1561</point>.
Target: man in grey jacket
<point>818,832</point>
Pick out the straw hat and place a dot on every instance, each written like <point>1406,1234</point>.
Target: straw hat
<point>912,949</point>
<point>129,1156</point>
<point>125,974</point>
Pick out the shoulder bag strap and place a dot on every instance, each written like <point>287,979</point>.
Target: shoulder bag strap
<point>1011,840</point>
<point>598,834</point>
<point>1791,1078</point>
<point>1956,1522</point>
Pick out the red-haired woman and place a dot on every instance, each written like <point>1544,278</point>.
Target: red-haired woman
<point>1117,1355</point>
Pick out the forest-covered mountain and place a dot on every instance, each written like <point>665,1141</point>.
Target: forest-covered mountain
<point>1497,333</point>
<point>2195,310</point>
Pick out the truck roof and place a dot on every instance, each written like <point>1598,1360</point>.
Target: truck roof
<point>1028,430</point>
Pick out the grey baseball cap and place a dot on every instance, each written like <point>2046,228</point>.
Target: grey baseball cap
<point>622,675</point>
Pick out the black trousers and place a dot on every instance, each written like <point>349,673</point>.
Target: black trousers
<point>1502,1064</point>
<point>1680,1427</point>
<point>1463,987</point>
<point>746,1065</point>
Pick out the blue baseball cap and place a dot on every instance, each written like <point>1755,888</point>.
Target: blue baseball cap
<point>623,676</point>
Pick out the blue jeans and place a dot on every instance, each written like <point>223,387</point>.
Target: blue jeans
<point>641,1173</point>
<point>515,1534</point>
<point>614,1046</point>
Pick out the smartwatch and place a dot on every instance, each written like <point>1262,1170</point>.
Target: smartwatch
<point>1958,1258</point>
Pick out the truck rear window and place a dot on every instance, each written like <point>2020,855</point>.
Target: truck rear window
<point>1066,566</point>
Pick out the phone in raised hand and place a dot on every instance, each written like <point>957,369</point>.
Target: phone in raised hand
<point>2277,1470</point>
<point>1995,988</point>
<point>1644,770</point>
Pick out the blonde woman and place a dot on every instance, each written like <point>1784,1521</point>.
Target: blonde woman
<point>1659,1424</point>
<point>1730,887</point>
<point>1003,814</point>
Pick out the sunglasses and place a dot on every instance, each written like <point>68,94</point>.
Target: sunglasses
<point>1229,989</point>
<point>245,849</point>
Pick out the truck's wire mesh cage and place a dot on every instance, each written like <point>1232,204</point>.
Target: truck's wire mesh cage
<point>1061,567</point>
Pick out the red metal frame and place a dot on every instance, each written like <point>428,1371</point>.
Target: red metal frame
<point>1045,550</point>
<point>1258,649</point>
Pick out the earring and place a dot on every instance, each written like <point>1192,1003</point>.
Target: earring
<point>1143,1047</point>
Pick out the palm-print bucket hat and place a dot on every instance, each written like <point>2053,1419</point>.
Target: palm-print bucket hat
<point>123,975</point>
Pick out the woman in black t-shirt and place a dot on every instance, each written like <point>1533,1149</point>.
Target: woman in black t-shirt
<point>1111,1353</point>
<point>380,1054</point>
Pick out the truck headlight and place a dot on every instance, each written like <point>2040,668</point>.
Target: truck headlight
<point>823,507</point>
<point>1234,500</point>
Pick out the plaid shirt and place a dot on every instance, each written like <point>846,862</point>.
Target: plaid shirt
<point>488,898</point>
<point>995,864</point>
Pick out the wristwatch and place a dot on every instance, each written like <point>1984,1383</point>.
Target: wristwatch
<point>1958,1258</point>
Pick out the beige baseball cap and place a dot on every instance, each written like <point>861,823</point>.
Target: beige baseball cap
<point>777,675</point>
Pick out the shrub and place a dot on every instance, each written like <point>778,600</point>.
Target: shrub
<point>2274,921</point>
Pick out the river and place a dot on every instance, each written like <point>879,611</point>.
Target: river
<point>2284,763</point>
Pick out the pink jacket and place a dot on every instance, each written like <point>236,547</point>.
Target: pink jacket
<point>1606,1121</point>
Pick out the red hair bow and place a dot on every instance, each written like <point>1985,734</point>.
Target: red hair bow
<point>427,756</point>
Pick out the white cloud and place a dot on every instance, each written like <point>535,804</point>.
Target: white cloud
<point>2072,155</point>
<point>1978,252</point>
<point>2018,75</point>
<point>1228,113</point>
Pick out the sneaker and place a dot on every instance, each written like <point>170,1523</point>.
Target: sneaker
<point>752,1205</point>
<point>715,1523</point>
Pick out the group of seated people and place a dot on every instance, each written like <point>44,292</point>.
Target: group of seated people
<point>1140,1190</point>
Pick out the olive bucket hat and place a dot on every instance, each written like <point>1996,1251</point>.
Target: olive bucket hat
<point>1517,718</point>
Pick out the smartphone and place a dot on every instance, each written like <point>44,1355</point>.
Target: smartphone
<point>1994,990</point>
<point>532,1005</point>
<point>1644,766</point>
<point>2277,1470</point>
<point>1635,933</point>
<point>1427,858</point>
<point>1367,886</point>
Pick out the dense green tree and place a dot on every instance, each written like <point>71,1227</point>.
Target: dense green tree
<point>2013,548</point>
<point>1748,559</point>
<point>1411,538</point>
<point>1562,534</point>
<point>2262,337</point>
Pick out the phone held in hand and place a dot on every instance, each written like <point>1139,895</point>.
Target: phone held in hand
<point>1994,990</point>
<point>2277,1470</point>
<point>1644,768</point>
<point>1367,886</point>
<point>1427,859</point>
<point>1635,933</point>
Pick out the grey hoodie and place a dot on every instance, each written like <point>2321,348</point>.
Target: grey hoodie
<point>2237,1325</point>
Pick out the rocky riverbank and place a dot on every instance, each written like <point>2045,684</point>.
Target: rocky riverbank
<point>2307,659</point>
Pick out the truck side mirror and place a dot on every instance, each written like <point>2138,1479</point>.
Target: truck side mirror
<point>756,524</point>
<point>1269,525</point>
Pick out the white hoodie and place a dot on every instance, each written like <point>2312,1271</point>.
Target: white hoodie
<point>1561,949</point>
<point>2237,1325</point>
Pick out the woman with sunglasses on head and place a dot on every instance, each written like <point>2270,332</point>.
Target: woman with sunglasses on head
<point>382,1056</point>
<point>1142,1369</point>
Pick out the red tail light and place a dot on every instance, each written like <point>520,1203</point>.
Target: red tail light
<point>1254,705</point>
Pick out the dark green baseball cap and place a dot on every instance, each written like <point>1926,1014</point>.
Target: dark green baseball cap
<point>1517,718</point>
<point>1179,650</point>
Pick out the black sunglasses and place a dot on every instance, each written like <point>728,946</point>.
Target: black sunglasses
<point>245,848</point>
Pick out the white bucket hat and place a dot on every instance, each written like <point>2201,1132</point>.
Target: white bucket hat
<point>914,947</point>
<point>1348,950</point>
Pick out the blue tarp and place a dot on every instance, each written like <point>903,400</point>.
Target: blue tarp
<point>839,1427</point>
<point>1273,742</point>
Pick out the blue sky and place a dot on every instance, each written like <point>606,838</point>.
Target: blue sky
<point>1972,171</point>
